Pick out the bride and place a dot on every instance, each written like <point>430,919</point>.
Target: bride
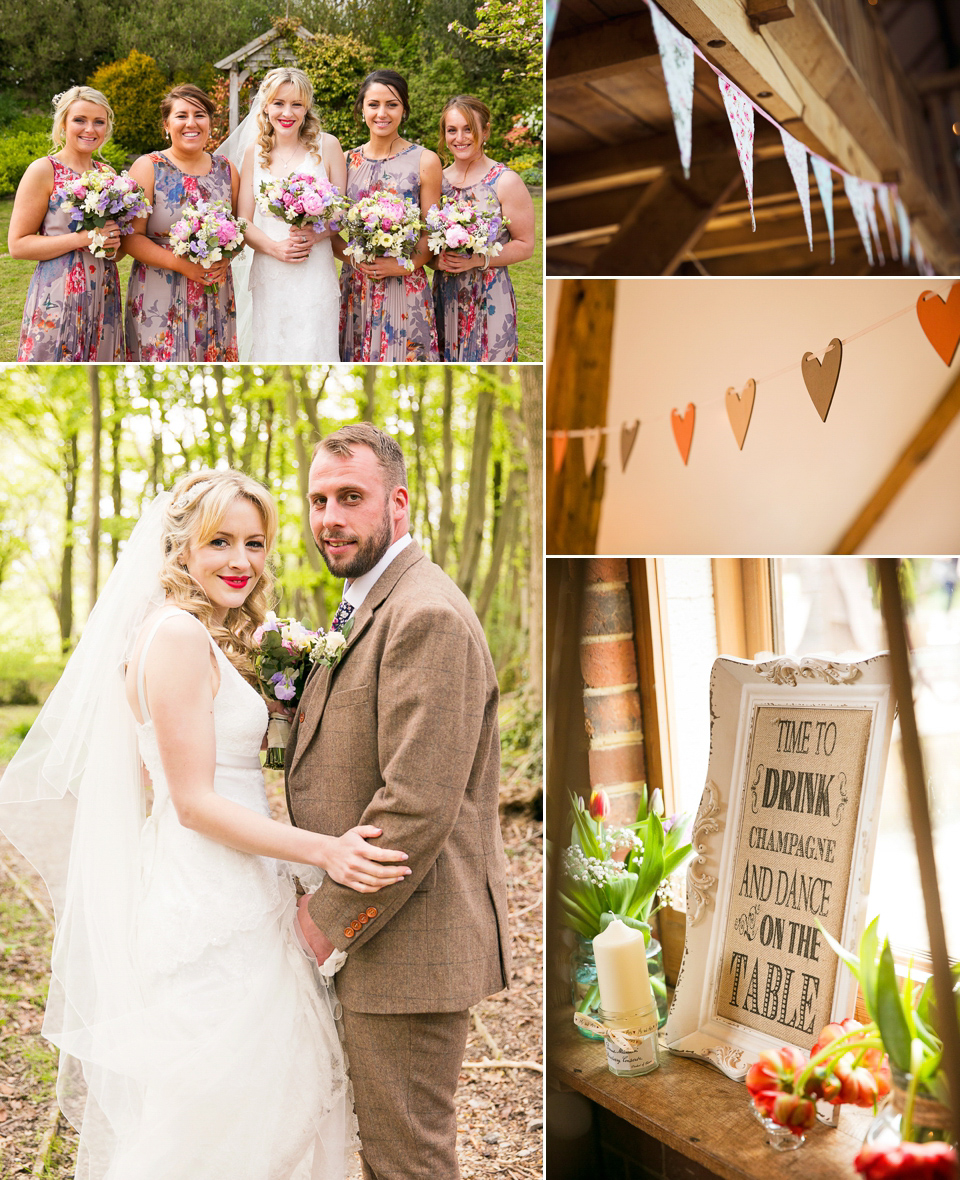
<point>197,1036</point>
<point>293,268</point>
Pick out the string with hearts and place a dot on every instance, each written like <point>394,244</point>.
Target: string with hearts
<point>938,317</point>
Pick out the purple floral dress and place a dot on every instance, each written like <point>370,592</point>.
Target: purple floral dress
<point>170,317</point>
<point>386,319</point>
<point>477,310</point>
<point>72,311</point>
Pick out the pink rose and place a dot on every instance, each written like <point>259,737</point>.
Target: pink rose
<point>456,236</point>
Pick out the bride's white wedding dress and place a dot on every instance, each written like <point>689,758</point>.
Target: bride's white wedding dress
<point>296,305</point>
<point>231,1066</point>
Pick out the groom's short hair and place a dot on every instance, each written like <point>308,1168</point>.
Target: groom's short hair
<point>341,443</point>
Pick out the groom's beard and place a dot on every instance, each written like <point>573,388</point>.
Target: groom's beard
<point>368,552</point>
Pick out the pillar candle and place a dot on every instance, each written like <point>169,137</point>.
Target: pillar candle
<point>621,957</point>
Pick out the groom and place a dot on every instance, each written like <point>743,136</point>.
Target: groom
<point>402,734</point>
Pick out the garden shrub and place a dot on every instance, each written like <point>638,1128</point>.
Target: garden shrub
<point>134,87</point>
<point>336,65</point>
<point>18,149</point>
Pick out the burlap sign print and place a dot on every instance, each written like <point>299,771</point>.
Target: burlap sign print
<point>791,867</point>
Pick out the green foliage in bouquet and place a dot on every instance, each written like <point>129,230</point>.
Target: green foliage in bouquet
<point>906,1018</point>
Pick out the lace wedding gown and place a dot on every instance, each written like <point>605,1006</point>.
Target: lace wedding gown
<point>296,305</point>
<point>232,1066</point>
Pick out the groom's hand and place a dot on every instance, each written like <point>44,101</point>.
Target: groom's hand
<point>313,936</point>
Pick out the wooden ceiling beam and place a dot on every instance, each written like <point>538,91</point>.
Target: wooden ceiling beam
<point>603,50</point>
<point>794,260</point>
<point>668,219</point>
<point>584,213</point>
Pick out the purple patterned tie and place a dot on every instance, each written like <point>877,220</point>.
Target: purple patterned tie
<point>344,611</point>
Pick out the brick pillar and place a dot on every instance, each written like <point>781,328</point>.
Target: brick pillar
<point>611,702</point>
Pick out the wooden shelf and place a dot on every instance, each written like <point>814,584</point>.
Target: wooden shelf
<point>696,1111</point>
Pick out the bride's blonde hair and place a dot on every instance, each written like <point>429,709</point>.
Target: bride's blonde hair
<point>194,515</point>
<point>310,129</point>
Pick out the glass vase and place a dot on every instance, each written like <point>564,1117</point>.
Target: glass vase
<point>779,1138</point>
<point>583,982</point>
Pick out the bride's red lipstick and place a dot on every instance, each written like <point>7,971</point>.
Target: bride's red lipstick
<point>236,583</point>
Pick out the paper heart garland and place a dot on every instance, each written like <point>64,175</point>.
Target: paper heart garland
<point>591,448</point>
<point>628,436</point>
<point>821,379</point>
<point>941,321</point>
<point>559,451</point>
<point>683,429</point>
<point>739,410</point>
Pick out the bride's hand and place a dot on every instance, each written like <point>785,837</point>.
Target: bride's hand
<point>351,861</point>
<point>296,246</point>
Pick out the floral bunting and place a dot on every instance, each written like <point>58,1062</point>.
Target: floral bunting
<point>824,175</point>
<point>883,195</point>
<point>796,155</point>
<point>855,195</point>
<point>676,58</point>
<point>551,9</point>
<point>559,450</point>
<point>870,204</point>
<point>903,220</point>
<point>740,113</point>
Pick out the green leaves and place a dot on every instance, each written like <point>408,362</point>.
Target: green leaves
<point>890,1017</point>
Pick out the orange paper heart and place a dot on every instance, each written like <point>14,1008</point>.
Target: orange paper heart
<point>683,429</point>
<point>559,450</point>
<point>821,379</point>
<point>739,410</point>
<point>628,436</point>
<point>941,321</point>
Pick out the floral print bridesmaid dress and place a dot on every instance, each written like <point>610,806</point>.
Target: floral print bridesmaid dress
<point>72,311</point>
<point>477,310</point>
<point>170,317</point>
<point>386,319</point>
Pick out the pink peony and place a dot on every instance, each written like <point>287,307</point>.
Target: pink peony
<point>456,236</point>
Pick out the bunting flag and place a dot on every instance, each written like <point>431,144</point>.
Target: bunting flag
<point>591,448</point>
<point>870,204</point>
<point>855,195</point>
<point>796,155</point>
<point>821,170</point>
<point>740,113</point>
<point>676,57</point>
<point>551,9</point>
<point>559,451</point>
<point>883,192</point>
<point>628,436</point>
<point>903,219</point>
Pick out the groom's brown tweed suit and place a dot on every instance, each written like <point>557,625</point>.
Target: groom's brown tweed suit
<point>403,734</point>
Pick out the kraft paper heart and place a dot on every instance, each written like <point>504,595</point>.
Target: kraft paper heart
<point>821,379</point>
<point>591,448</point>
<point>683,429</point>
<point>739,410</point>
<point>559,450</point>
<point>941,321</point>
<point>628,436</point>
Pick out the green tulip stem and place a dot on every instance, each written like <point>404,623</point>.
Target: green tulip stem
<point>589,1000</point>
<point>835,1050</point>
<point>906,1122</point>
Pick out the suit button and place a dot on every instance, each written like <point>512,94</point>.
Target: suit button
<point>349,932</point>
<point>372,912</point>
<point>364,919</point>
<point>355,923</point>
<point>302,715</point>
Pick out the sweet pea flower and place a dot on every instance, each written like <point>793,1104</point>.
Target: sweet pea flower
<point>284,689</point>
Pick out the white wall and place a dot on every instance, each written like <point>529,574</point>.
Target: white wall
<point>799,482</point>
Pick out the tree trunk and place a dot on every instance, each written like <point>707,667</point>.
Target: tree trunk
<point>303,480</point>
<point>225,415</point>
<point>116,490</point>
<point>369,392</point>
<point>445,530</point>
<point>65,597</point>
<point>502,533</point>
<point>95,428</point>
<point>531,407</point>
<point>477,494</point>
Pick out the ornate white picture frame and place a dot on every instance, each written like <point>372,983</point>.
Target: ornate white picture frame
<point>784,837</point>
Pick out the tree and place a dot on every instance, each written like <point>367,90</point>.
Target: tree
<point>511,26</point>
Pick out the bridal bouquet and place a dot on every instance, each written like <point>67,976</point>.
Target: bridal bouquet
<point>383,225</point>
<point>99,196</point>
<point>463,228</point>
<point>302,199</point>
<point>206,232</point>
<point>285,649</point>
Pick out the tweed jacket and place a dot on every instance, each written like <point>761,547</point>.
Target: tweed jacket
<point>402,733</point>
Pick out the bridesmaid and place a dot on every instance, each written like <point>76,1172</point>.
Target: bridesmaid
<point>386,312</point>
<point>73,303</point>
<point>176,310</point>
<point>476,307</point>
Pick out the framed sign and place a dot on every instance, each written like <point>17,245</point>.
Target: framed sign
<point>783,839</point>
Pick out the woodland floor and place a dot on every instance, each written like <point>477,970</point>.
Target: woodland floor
<point>499,1108</point>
